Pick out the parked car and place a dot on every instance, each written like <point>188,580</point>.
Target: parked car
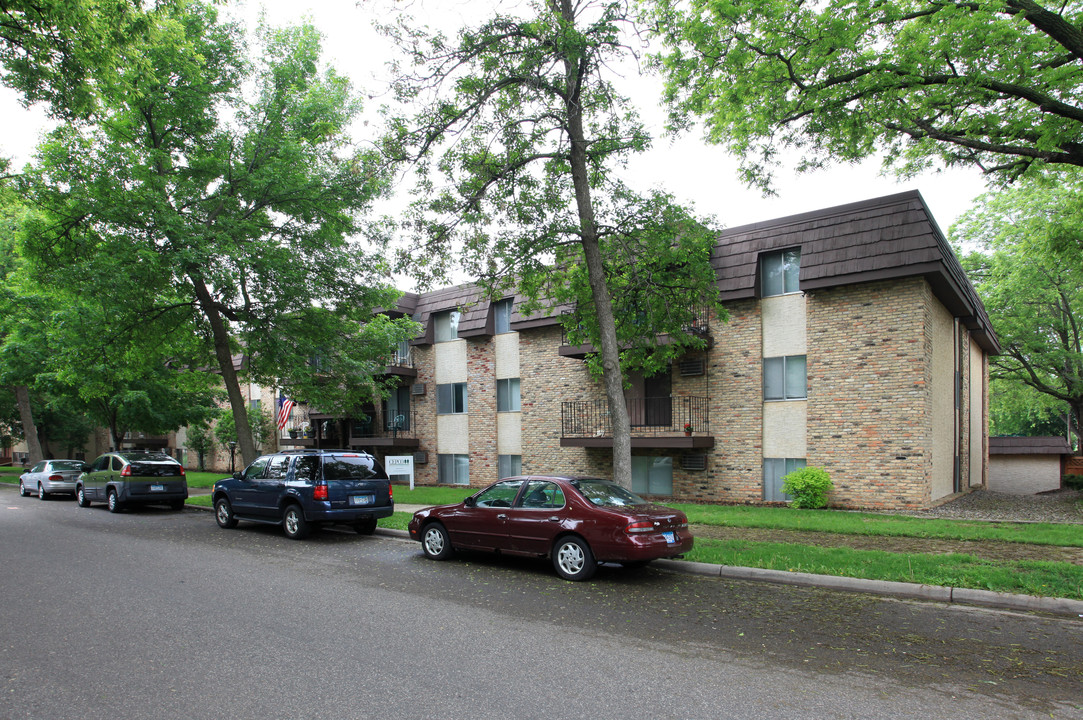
<point>302,488</point>
<point>124,478</point>
<point>49,477</point>
<point>576,521</point>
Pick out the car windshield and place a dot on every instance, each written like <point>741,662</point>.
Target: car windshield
<point>349,467</point>
<point>606,494</point>
<point>67,465</point>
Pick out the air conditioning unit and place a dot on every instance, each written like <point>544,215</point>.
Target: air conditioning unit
<point>691,367</point>
<point>417,389</point>
<point>696,461</point>
<point>421,458</point>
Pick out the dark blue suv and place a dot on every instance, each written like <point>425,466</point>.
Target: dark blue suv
<point>302,488</point>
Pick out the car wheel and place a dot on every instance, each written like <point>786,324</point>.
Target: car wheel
<point>80,497</point>
<point>223,514</point>
<point>573,559</point>
<point>294,523</point>
<point>365,527</point>
<point>41,492</point>
<point>22,488</point>
<point>436,543</point>
<point>112,502</point>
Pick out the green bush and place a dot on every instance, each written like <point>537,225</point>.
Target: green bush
<point>1074,481</point>
<point>808,486</point>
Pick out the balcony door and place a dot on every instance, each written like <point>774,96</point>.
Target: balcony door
<point>649,401</point>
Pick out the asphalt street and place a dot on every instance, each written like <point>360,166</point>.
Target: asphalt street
<point>151,613</point>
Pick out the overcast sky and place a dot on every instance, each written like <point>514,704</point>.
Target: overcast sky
<point>696,173</point>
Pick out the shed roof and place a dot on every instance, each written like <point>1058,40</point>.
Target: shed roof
<point>1029,446</point>
<point>879,239</point>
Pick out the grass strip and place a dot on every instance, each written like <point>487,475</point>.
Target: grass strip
<point>1028,577</point>
<point>856,523</point>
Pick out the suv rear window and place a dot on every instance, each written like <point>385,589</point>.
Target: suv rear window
<point>153,465</point>
<point>350,467</point>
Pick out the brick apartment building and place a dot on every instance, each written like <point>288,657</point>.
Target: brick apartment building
<point>854,343</point>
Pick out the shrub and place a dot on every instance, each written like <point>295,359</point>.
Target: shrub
<point>1074,481</point>
<point>808,486</point>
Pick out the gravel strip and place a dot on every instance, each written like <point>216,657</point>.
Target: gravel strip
<point>1058,506</point>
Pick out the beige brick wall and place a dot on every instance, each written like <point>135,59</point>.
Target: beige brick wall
<point>869,392</point>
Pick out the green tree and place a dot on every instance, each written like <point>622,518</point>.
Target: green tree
<point>1032,284</point>
<point>1016,408</point>
<point>223,195</point>
<point>200,440</point>
<point>991,84</point>
<point>517,146</point>
<point>64,51</point>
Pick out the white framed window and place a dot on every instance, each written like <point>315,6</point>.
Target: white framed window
<point>785,378</point>
<point>447,325</point>
<point>508,398</point>
<point>453,469</point>
<point>509,466</point>
<point>652,475</point>
<point>451,399</point>
<point>779,272</point>
<point>774,469</point>
<point>502,316</point>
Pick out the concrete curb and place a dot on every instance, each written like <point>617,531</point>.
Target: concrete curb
<point>912,591</point>
<point>933,593</point>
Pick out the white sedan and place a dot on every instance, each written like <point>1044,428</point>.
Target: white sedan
<point>50,476</point>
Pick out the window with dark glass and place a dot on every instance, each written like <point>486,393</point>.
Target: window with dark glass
<point>451,398</point>
<point>785,378</point>
<point>507,395</point>
<point>453,469</point>
<point>502,316</point>
<point>779,272</point>
<point>447,325</point>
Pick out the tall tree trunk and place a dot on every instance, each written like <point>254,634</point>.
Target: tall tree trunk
<point>612,378</point>
<point>222,353</point>
<point>30,430</point>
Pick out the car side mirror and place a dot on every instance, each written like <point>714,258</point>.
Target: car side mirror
<point>238,476</point>
<point>86,468</point>
<point>470,501</point>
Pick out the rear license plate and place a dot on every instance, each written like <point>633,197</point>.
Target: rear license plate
<point>670,537</point>
<point>362,499</point>
<point>157,488</point>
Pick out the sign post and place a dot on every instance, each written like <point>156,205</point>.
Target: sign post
<point>400,467</point>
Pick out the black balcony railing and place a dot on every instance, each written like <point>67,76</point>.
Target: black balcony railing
<point>391,425</point>
<point>650,416</point>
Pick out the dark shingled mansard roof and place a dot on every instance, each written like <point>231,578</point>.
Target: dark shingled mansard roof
<point>1029,446</point>
<point>881,239</point>
<point>885,238</point>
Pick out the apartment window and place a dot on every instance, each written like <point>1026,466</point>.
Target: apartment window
<point>451,398</point>
<point>447,325</point>
<point>453,469</point>
<point>502,316</point>
<point>652,475</point>
<point>509,466</point>
<point>785,378</point>
<point>779,272</point>
<point>774,469</point>
<point>507,395</point>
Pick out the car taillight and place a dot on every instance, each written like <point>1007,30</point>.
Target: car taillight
<point>182,471</point>
<point>319,492</point>
<point>390,492</point>
<point>640,527</point>
<point>56,478</point>
<point>127,471</point>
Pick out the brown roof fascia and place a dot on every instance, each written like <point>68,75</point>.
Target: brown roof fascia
<point>1043,445</point>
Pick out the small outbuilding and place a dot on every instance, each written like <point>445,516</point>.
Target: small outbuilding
<point>1027,465</point>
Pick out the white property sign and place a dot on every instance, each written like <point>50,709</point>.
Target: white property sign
<point>399,466</point>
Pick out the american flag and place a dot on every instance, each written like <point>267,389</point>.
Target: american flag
<point>285,406</point>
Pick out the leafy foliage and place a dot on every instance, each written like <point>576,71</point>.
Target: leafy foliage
<point>1031,281</point>
<point>991,84</point>
<point>227,194</point>
<point>515,153</point>
<point>809,487</point>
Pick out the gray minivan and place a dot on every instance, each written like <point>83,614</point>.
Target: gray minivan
<point>132,478</point>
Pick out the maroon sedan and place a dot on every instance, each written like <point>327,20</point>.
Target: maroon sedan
<point>577,521</point>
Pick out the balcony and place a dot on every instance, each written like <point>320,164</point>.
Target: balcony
<point>700,327</point>
<point>322,430</point>
<point>656,423</point>
<point>401,362</point>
